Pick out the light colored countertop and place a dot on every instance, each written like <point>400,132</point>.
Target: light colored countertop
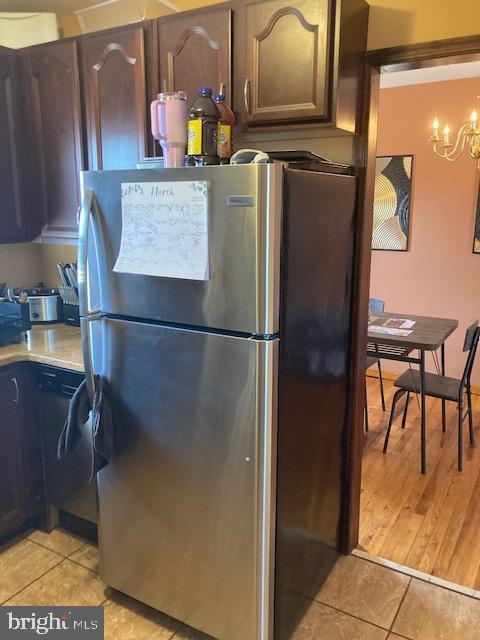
<point>55,344</point>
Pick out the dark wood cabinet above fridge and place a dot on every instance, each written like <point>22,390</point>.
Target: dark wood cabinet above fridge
<point>83,103</point>
<point>194,50</point>
<point>115,101</point>
<point>299,63</point>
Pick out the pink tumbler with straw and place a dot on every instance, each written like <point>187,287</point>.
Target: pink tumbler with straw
<point>169,126</point>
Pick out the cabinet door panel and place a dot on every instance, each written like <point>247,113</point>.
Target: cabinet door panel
<point>114,69</point>
<point>11,468</point>
<point>195,51</point>
<point>55,98</point>
<point>287,60</point>
<point>21,471</point>
<point>12,222</point>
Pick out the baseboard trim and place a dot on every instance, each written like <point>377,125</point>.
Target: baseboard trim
<point>389,375</point>
<point>414,573</point>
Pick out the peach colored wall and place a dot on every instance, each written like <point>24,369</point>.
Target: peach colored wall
<point>439,275</point>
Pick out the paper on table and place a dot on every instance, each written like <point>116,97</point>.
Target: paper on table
<point>374,328</point>
<point>165,230</point>
<point>399,323</point>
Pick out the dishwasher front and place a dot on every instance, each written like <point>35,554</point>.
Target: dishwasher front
<point>67,481</point>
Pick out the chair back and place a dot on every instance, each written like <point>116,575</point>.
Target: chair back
<point>470,344</point>
<point>376,306</point>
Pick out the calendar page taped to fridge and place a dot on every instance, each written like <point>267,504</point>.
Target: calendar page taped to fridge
<point>165,230</point>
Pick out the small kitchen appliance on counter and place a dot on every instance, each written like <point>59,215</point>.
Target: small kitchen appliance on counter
<point>14,322</point>
<point>45,304</point>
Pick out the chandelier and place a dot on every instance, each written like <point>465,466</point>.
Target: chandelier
<point>468,136</point>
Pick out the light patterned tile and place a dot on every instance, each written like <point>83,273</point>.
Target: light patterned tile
<point>88,556</point>
<point>22,562</point>
<point>128,619</point>
<point>364,589</point>
<point>324,623</point>
<point>429,612</point>
<point>67,584</point>
<point>58,540</point>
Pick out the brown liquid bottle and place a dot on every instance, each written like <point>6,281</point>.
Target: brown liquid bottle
<point>203,129</point>
<point>225,128</point>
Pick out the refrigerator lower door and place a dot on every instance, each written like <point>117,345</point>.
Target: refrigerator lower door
<point>241,293</point>
<point>186,512</point>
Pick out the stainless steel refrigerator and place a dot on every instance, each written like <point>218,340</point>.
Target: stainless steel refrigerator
<point>222,504</point>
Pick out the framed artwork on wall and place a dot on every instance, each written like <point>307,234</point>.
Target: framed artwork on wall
<point>391,207</point>
<point>476,235</point>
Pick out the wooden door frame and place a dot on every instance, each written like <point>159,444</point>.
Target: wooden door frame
<point>427,54</point>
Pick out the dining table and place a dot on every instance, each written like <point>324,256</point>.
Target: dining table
<point>426,334</point>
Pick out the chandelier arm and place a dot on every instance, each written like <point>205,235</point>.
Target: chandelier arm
<point>459,147</point>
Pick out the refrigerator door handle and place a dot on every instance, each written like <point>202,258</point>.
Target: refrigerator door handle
<point>87,353</point>
<point>89,220</point>
<point>88,223</point>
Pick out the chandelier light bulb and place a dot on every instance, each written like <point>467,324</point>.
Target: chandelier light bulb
<point>446,134</point>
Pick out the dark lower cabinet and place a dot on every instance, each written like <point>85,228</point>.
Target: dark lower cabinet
<point>113,65</point>
<point>14,222</point>
<point>57,157</point>
<point>21,477</point>
<point>194,50</point>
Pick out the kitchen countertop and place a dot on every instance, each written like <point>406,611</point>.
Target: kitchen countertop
<point>55,344</point>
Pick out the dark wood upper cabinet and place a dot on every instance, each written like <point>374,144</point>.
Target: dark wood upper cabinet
<point>113,65</point>
<point>14,225</point>
<point>84,102</point>
<point>194,50</point>
<point>287,60</point>
<point>299,62</point>
<point>56,132</point>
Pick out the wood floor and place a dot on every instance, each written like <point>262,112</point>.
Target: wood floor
<point>432,522</point>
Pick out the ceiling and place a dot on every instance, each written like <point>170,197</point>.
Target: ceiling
<point>60,7</point>
<point>430,74</point>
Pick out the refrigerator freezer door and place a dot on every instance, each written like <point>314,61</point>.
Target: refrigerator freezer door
<point>241,293</point>
<point>186,510</point>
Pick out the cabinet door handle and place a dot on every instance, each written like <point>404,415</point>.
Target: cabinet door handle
<point>17,391</point>
<point>246,95</point>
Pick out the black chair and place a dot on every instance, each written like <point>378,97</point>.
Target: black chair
<point>437,386</point>
<point>375,306</point>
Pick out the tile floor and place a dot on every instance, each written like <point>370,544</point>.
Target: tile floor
<point>361,600</point>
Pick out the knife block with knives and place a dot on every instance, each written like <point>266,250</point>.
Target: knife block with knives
<point>68,291</point>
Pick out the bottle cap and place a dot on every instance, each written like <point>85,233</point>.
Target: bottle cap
<point>219,98</point>
<point>205,91</point>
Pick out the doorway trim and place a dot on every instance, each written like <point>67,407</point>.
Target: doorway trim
<point>415,56</point>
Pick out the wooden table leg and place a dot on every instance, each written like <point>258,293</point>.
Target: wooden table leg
<point>423,430</point>
<point>444,415</point>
